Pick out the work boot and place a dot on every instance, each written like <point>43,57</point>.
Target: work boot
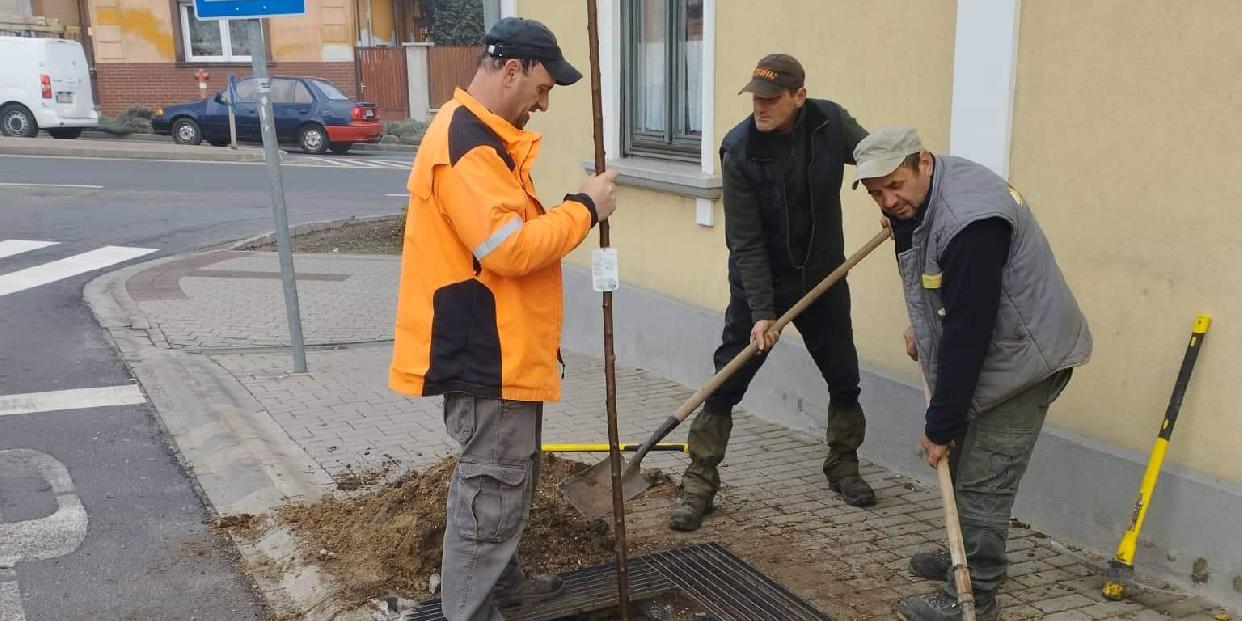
<point>527,589</point>
<point>931,565</point>
<point>843,478</point>
<point>688,515</point>
<point>941,606</point>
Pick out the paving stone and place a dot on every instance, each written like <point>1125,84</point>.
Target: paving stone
<point>346,418</point>
<point>1067,615</point>
<point>1065,602</point>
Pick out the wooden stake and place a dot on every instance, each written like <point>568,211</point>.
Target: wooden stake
<point>610,363</point>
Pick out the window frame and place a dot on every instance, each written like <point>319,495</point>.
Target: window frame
<point>226,42</point>
<point>675,142</point>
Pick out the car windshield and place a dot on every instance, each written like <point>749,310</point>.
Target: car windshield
<point>329,91</point>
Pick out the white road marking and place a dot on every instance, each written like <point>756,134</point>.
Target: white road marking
<point>10,597</point>
<point>67,267</point>
<point>365,164</point>
<point>50,185</point>
<point>48,537</point>
<point>53,536</point>
<point>75,399</point>
<point>398,195</point>
<point>395,163</point>
<point>10,247</point>
<point>318,161</point>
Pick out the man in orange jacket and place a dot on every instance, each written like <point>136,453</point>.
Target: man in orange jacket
<point>480,304</point>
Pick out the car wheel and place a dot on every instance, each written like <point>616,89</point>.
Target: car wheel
<point>341,147</point>
<point>186,131</point>
<point>313,139</point>
<point>65,132</point>
<point>17,121</point>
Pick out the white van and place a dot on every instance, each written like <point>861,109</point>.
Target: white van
<point>44,84</point>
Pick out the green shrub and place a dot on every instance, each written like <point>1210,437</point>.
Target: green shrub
<point>406,132</point>
<point>136,120</point>
<point>457,22</point>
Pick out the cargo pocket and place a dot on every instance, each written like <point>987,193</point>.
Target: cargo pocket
<point>995,464</point>
<point>489,505</point>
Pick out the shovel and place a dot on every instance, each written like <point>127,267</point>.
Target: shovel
<point>590,491</point>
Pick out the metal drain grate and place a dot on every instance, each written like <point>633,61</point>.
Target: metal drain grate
<point>725,586</point>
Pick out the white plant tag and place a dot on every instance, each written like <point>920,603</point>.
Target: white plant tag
<point>604,275</point>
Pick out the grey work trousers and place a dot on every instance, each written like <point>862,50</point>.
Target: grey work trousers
<point>988,462</point>
<point>489,500</point>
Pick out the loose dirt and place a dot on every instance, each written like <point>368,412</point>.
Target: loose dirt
<point>388,539</point>
<point>382,237</point>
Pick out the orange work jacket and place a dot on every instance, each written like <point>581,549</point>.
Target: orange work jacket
<point>479,306</point>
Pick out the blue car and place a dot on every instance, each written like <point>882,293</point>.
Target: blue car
<point>309,112</point>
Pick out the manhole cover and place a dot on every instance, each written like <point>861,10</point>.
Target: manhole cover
<point>702,582</point>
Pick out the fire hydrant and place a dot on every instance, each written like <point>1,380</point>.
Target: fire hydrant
<point>201,75</point>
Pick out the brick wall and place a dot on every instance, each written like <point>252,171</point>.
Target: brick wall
<point>122,85</point>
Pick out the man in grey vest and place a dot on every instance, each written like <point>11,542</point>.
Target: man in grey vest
<point>782,167</point>
<point>997,332</point>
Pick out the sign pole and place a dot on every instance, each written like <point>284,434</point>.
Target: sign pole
<point>271,155</point>
<point>232,112</point>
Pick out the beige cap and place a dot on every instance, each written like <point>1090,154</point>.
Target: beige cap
<point>883,151</point>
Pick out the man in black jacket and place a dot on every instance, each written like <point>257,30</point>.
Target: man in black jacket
<point>782,169</point>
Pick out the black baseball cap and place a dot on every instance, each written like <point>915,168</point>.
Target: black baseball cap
<point>515,37</point>
<point>775,73</point>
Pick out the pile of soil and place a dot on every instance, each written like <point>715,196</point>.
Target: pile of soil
<point>373,237</point>
<point>388,539</point>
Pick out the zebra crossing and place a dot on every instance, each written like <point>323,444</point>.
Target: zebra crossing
<point>59,269</point>
<point>346,162</point>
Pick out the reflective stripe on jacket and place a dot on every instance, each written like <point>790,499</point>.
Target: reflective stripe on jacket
<point>479,305</point>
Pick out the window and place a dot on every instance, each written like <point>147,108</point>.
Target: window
<point>285,91</point>
<point>331,92</point>
<point>247,90</point>
<point>662,61</point>
<point>226,40</point>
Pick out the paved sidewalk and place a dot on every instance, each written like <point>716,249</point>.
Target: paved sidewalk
<point>226,308</point>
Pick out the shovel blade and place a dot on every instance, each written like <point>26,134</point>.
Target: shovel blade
<point>590,491</point>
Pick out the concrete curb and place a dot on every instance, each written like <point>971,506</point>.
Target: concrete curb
<point>96,134</point>
<point>381,147</point>
<point>241,460</point>
<point>137,150</point>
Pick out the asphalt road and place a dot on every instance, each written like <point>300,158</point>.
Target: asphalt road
<point>98,520</point>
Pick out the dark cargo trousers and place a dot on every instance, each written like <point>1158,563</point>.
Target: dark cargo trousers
<point>988,462</point>
<point>489,500</point>
<point>826,329</point>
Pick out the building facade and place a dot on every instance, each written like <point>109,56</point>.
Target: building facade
<point>148,51</point>
<point>1116,119</point>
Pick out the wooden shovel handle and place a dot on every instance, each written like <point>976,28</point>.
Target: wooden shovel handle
<point>745,355</point>
<point>957,546</point>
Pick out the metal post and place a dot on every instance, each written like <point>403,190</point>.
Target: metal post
<point>271,155</point>
<point>232,104</point>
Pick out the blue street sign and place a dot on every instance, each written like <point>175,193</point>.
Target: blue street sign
<point>206,10</point>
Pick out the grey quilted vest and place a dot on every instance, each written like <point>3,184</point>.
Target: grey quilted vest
<point>1039,328</point>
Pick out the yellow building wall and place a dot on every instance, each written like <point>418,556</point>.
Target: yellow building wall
<point>324,33</point>
<point>1126,143</point>
<point>133,31</point>
<point>138,31</point>
<point>661,248</point>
